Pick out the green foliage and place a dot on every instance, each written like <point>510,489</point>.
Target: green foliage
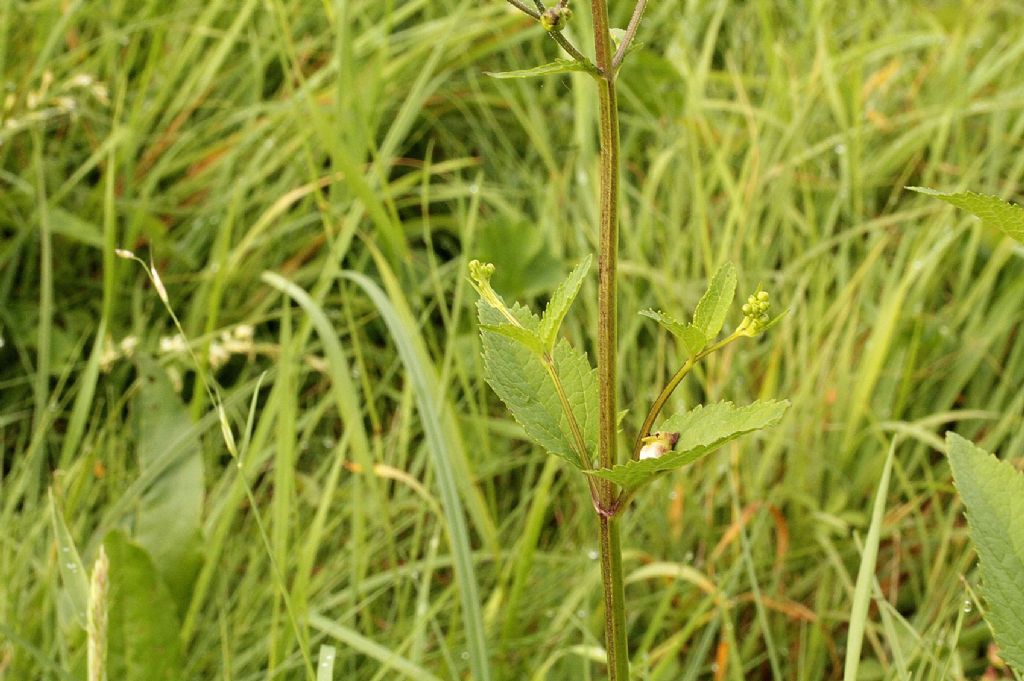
<point>556,67</point>
<point>242,138</point>
<point>143,635</point>
<point>559,304</point>
<point>74,579</point>
<point>170,512</point>
<point>701,431</point>
<point>993,492</point>
<point>993,211</point>
<point>526,384</point>
<point>528,338</point>
<point>692,338</point>
<point>709,315</point>
<point>714,304</point>
<point>550,388</point>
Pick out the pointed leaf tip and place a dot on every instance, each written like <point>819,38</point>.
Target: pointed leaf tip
<point>560,302</point>
<point>709,317</point>
<point>993,211</point>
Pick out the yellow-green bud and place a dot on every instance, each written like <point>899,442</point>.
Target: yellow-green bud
<point>755,314</point>
<point>555,18</point>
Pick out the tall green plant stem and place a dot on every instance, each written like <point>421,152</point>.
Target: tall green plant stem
<point>616,644</point>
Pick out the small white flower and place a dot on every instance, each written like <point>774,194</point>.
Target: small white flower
<point>219,355</point>
<point>173,344</point>
<point>128,345</point>
<point>244,332</point>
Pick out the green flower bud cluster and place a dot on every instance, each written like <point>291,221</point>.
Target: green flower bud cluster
<point>480,276</point>
<point>481,272</point>
<point>755,314</point>
<point>555,18</point>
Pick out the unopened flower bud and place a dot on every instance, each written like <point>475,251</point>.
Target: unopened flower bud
<point>555,18</point>
<point>656,445</point>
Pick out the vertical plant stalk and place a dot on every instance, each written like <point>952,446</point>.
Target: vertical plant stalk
<point>616,644</point>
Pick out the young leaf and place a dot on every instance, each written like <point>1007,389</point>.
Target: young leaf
<point>559,304</point>
<point>691,337</point>
<point>702,431</point>
<point>993,211</point>
<point>714,304</point>
<point>552,68</point>
<point>525,337</point>
<point>522,381</point>
<point>993,492</point>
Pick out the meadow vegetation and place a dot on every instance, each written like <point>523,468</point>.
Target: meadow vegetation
<point>311,180</point>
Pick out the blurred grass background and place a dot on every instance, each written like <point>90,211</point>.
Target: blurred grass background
<point>356,150</point>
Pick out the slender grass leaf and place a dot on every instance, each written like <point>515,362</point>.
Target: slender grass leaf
<point>701,431</point>
<point>356,641</point>
<point>993,211</point>
<point>549,69</point>
<point>143,630</point>
<point>325,663</point>
<point>445,446</point>
<point>714,304</point>
<point>692,338</point>
<point>170,512</point>
<point>524,383</point>
<point>560,302</point>
<point>72,571</point>
<point>993,492</point>
<point>866,574</point>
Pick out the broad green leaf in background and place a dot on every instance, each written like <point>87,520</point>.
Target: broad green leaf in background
<point>993,492</point>
<point>714,304</point>
<point>143,627</point>
<point>993,211</point>
<point>549,69</point>
<point>519,377</point>
<point>72,572</point>
<point>701,431</point>
<point>170,512</point>
<point>560,302</point>
<point>691,337</point>
<point>528,270</point>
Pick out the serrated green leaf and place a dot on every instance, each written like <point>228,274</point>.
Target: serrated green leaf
<point>169,520</point>
<point>993,211</point>
<point>691,337</point>
<point>993,492</point>
<point>519,377</point>
<point>701,431</point>
<point>559,304</point>
<point>552,68</point>
<point>526,337</point>
<point>143,639</point>
<point>714,304</point>
<point>69,563</point>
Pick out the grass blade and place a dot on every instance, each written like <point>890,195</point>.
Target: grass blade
<point>866,574</point>
<point>448,454</point>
